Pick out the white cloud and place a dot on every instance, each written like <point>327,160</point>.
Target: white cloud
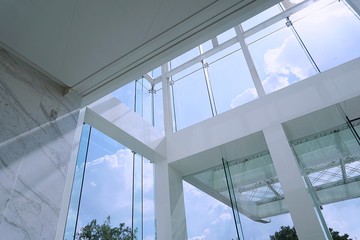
<point>92,183</point>
<point>202,236</point>
<point>274,83</point>
<point>225,216</point>
<point>244,97</point>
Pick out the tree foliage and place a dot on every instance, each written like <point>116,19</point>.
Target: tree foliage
<point>94,231</point>
<point>287,233</point>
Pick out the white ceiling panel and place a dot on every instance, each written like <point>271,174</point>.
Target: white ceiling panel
<point>96,46</point>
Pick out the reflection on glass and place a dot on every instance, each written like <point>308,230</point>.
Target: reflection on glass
<point>331,162</point>
<point>107,189</point>
<point>331,34</point>
<point>259,196</point>
<point>184,57</point>
<point>191,100</point>
<point>280,60</point>
<point>261,17</point>
<point>77,183</point>
<point>227,35</point>
<point>126,94</point>
<point>148,201</point>
<point>206,46</point>
<point>230,78</point>
<point>216,217</point>
<point>137,221</point>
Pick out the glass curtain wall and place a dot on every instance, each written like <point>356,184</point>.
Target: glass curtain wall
<point>111,184</point>
<point>249,199</point>
<point>289,42</point>
<point>330,164</point>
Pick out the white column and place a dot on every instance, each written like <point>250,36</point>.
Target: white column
<point>169,205</point>
<point>166,100</point>
<point>298,199</point>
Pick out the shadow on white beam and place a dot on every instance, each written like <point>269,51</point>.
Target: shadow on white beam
<point>116,120</point>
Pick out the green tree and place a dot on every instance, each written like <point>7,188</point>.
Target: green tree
<point>287,233</point>
<point>94,231</point>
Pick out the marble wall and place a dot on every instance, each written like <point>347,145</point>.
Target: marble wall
<point>37,125</point>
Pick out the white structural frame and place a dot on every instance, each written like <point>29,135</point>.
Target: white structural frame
<point>178,154</point>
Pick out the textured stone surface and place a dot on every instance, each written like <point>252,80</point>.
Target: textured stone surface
<point>37,125</point>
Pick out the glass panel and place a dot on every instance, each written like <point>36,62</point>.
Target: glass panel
<point>339,31</point>
<point>280,60</point>
<point>227,35</point>
<point>330,161</point>
<point>137,223</point>
<point>158,108</point>
<point>155,73</point>
<point>231,80</point>
<point>107,189</point>
<point>148,196</point>
<point>184,57</point>
<point>261,17</point>
<point>126,94</point>
<point>259,196</point>
<point>206,46</point>
<point>77,183</point>
<point>191,100</point>
<point>207,217</point>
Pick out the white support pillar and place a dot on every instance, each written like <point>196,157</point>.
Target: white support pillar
<point>169,205</point>
<point>298,199</point>
<point>166,100</point>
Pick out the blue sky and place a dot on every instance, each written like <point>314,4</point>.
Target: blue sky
<point>280,62</point>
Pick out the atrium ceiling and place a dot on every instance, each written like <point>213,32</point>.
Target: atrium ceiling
<point>94,47</point>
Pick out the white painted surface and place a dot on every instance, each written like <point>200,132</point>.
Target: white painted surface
<point>298,199</point>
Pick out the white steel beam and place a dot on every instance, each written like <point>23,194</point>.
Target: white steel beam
<point>249,61</point>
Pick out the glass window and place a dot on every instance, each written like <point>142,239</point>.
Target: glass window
<point>206,46</point>
<point>261,17</point>
<point>207,217</point>
<point>280,60</point>
<point>227,35</point>
<point>107,186</point>
<point>331,34</point>
<point>110,187</point>
<point>330,164</point>
<point>184,57</point>
<point>258,194</point>
<point>231,81</point>
<point>126,94</point>
<point>191,100</point>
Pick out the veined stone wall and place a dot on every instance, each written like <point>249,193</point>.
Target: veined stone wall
<point>37,125</point>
